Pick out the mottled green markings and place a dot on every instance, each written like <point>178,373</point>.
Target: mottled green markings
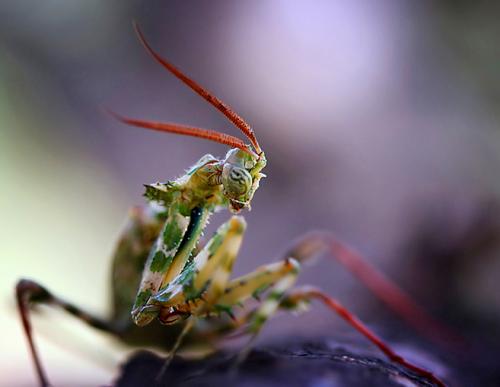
<point>187,274</point>
<point>258,292</point>
<point>257,323</point>
<point>142,298</point>
<point>217,240</point>
<point>224,309</point>
<point>171,239</point>
<point>160,262</point>
<point>228,263</point>
<point>291,304</point>
<point>186,279</point>
<point>276,295</point>
<point>162,296</point>
<point>161,192</point>
<point>172,235</point>
<point>191,293</point>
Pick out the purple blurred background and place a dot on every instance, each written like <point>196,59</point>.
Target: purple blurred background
<point>379,120</point>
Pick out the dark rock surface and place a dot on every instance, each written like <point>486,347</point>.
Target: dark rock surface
<point>317,364</point>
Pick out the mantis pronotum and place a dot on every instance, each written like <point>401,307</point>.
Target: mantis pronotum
<point>164,283</point>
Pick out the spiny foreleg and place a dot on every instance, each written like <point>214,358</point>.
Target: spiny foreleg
<point>202,281</point>
<point>167,259</point>
<point>29,292</point>
<point>214,275</point>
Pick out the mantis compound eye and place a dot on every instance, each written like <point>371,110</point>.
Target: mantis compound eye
<point>236,181</point>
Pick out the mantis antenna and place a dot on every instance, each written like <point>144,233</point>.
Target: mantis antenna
<point>207,134</point>
<point>212,99</point>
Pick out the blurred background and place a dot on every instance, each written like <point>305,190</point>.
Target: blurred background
<point>379,120</point>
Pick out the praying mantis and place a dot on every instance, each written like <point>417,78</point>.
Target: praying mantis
<point>165,283</point>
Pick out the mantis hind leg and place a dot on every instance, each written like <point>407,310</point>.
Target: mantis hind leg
<point>386,290</point>
<point>137,237</point>
<point>277,279</point>
<point>274,279</point>
<point>305,294</point>
<point>29,292</point>
<point>289,271</point>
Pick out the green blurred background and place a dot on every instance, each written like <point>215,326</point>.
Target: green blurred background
<point>379,119</point>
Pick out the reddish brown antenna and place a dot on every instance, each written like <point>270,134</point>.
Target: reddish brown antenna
<point>211,135</point>
<point>212,99</point>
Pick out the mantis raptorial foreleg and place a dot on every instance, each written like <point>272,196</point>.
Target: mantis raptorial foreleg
<point>205,280</point>
<point>214,275</point>
<point>167,258</point>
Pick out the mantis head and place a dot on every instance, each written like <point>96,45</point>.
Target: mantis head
<point>241,173</point>
<point>241,168</point>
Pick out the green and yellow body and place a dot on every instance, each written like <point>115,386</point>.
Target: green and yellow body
<point>165,285</point>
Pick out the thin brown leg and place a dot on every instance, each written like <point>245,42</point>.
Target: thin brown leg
<point>28,292</point>
<point>379,284</point>
<point>308,293</point>
<point>171,353</point>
